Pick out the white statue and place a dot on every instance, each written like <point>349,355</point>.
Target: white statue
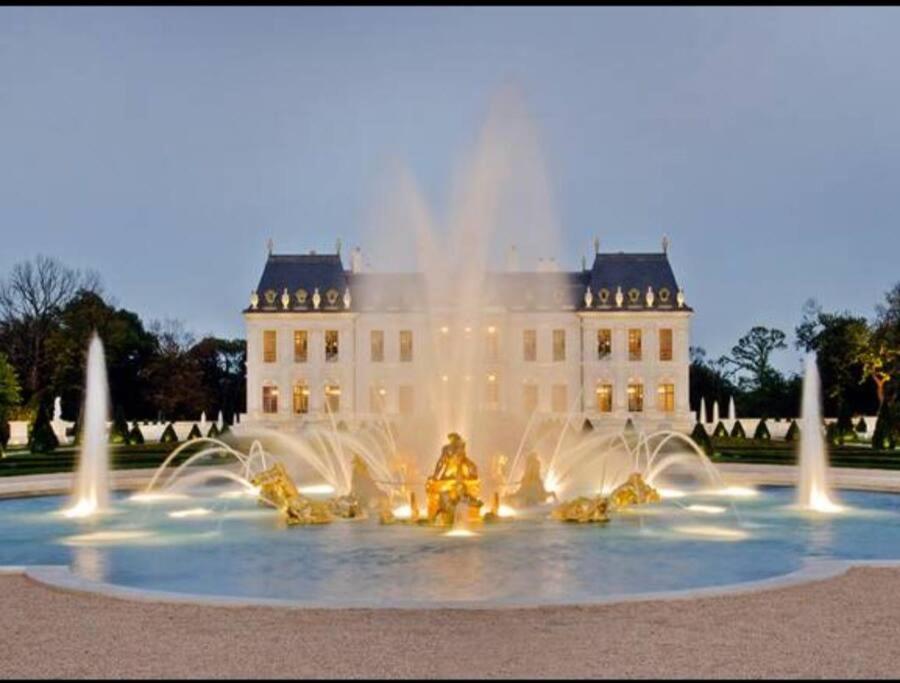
<point>285,299</point>
<point>680,298</point>
<point>650,296</point>
<point>347,298</point>
<point>619,296</point>
<point>317,299</point>
<point>588,298</point>
<point>57,409</point>
<point>254,300</point>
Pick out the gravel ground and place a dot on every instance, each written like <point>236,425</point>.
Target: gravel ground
<point>842,627</point>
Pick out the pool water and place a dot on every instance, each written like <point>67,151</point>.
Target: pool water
<point>231,547</point>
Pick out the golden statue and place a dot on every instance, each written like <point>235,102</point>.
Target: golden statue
<point>278,489</point>
<point>455,480</point>
<point>583,509</point>
<point>635,491</point>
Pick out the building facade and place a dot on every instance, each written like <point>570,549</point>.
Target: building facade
<point>608,343</point>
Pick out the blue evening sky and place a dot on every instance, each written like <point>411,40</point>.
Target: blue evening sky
<point>163,146</point>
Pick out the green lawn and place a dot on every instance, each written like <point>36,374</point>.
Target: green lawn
<point>785,453</point>
<point>21,461</point>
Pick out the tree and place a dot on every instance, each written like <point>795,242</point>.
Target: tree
<point>128,348</point>
<point>222,365</point>
<point>174,377</point>
<point>31,299</point>
<point>708,380</point>
<point>838,340</point>
<point>752,356</point>
<point>10,397</point>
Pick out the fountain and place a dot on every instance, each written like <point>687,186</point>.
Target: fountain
<point>813,491</point>
<point>715,419</point>
<point>702,410</point>
<point>91,485</point>
<point>732,413</point>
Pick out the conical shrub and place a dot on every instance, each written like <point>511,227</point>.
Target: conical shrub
<point>42,438</point>
<point>701,438</point>
<point>194,433</point>
<point>793,432</point>
<point>737,431</point>
<point>135,436</point>
<point>761,433</point>
<point>720,432</point>
<point>169,435</point>
<point>118,433</point>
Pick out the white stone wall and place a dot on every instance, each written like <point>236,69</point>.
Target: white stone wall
<point>579,371</point>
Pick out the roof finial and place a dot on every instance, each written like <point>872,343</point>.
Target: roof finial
<point>270,246</point>
<point>596,244</point>
<point>337,246</point>
<point>665,244</point>
<point>583,262</point>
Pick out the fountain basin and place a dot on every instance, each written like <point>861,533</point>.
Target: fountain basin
<point>240,550</point>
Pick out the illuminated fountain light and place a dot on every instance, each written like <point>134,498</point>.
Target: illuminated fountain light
<point>316,489</point>
<point>671,493</point>
<point>707,509</point>
<point>252,492</point>
<point>713,532</point>
<point>405,512</point>
<point>734,492</point>
<point>190,512</point>
<point>156,497</point>
<point>81,509</point>
<point>460,533</point>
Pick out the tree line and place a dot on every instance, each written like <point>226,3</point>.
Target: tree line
<point>156,370</point>
<point>858,360</point>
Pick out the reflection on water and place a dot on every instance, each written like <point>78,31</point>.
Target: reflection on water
<point>241,549</point>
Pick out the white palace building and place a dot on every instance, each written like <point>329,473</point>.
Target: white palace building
<point>609,342</point>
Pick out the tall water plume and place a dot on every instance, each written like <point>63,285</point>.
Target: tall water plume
<point>813,490</point>
<point>90,491</point>
<point>500,196</point>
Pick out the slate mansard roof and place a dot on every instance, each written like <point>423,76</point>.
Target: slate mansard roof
<point>300,276</point>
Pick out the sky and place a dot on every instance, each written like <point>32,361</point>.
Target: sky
<point>163,147</point>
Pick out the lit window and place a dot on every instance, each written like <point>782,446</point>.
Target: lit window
<point>333,397</point>
<point>666,397</point>
<point>377,345</point>
<point>529,397</point>
<point>492,391</point>
<point>529,345</point>
<point>331,345</point>
<point>604,398</point>
<point>665,344</point>
<point>270,398</point>
<point>301,346</point>
<point>634,344</point>
<point>301,398</point>
<point>377,398</point>
<point>406,346</point>
<point>604,343</point>
<point>635,397</point>
<point>269,349</point>
<point>559,398</point>
<point>405,399</point>
<point>559,345</point>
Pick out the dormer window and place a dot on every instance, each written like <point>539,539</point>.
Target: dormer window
<point>331,296</point>
<point>301,295</point>
<point>270,297</point>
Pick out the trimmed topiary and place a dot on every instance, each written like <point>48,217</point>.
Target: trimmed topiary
<point>118,433</point>
<point>169,435</point>
<point>720,432</point>
<point>845,424</point>
<point>629,426</point>
<point>761,433</point>
<point>793,432</point>
<point>833,434</point>
<point>213,431</point>
<point>42,438</point>
<point>701,438</point>
<point>737,432</point>
<point>861,426</point>
<point>587,426</point>
<point>194,433</point>
<point>135,436</point>
<point>884,435</point>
